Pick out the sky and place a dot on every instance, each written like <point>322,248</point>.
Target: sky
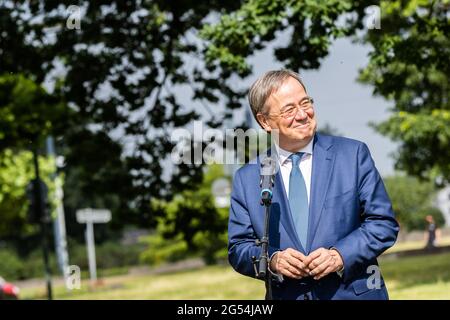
<point>339,99</point>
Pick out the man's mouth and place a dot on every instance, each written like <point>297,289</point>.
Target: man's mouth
<point>301,124</point>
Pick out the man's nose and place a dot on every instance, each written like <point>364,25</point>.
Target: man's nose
<point>301,114</point>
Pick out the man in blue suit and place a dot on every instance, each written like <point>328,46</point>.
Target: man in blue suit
<point>330,216</point>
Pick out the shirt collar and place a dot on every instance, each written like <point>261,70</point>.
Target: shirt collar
<point>283,155</point>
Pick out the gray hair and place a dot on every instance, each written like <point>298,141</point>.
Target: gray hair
<point>268,83</point>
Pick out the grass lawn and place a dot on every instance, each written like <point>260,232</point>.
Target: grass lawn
<point>412,245</point>
<point>212,282</point>
<point>425,277</point>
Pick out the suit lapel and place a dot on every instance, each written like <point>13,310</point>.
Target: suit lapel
<point>322,167</point>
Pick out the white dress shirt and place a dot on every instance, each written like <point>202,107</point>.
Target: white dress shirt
<point>305,166</point>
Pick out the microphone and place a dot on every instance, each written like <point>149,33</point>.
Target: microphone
<point>267,178</point>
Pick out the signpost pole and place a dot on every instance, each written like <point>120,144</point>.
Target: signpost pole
<point>91,216</point>
<point>90,242</point>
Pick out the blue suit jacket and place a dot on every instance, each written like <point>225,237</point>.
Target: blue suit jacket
<point>349,210</point>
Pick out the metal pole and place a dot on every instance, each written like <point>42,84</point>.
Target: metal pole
<point>91,250</point>
<point>59,223</point>
<point>44,219</point>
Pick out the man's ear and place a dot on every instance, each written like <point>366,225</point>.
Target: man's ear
<point>263,122</point>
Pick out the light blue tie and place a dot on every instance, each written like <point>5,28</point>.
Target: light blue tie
<point>298,199</point>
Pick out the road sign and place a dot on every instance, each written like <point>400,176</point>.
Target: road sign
<point>93,215</point>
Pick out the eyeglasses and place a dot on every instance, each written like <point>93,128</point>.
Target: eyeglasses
<point>291,111</point>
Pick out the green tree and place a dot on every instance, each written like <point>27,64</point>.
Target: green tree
<point>409,65</point>
<point>27,115</point>
<point>27,112</point>
<point>16,172</point>
<point>116,76</point>
<point>412,201</point>
<point>193,218</point>
<point>312,25</point>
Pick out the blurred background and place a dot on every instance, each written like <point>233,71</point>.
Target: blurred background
<point>92,204</point>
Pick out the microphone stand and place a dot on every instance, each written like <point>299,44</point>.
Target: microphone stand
<point>261,265</point>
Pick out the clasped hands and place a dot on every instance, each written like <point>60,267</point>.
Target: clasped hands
<point>319,263</point>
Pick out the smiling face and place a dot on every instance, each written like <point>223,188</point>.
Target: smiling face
<point>296,131</point>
